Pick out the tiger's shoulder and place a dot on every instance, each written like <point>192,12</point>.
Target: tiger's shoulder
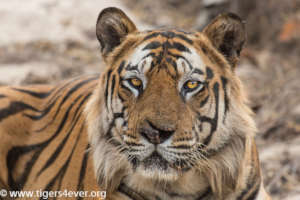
<point>42,125</point>
<point>27,108</point>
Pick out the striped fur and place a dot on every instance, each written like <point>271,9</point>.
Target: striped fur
<point>160,140</point>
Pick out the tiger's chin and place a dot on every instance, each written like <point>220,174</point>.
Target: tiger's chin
<point>156,168</point>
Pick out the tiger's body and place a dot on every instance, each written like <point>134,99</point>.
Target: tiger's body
<point>36,119</point>
<point>166,120</point>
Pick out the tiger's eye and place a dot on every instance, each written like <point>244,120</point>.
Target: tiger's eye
<point>192,84</point>
<point>136,82</point>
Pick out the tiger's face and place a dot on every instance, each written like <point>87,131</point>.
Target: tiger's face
<point>167,96</point>
<point>171,101</point>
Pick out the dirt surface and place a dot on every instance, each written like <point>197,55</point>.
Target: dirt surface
<point>47,41</point>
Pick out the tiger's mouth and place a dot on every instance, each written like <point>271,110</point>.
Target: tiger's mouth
<point>156,161</point>
<point>157,164</point>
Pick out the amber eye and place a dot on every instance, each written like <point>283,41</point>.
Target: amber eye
<point>191,84</point>
<point>136,82</point>
<point>191,87</point>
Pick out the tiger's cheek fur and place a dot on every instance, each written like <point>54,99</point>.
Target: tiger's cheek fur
<point>109,164</point>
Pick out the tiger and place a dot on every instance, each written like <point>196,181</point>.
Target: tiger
<point>168,118</point>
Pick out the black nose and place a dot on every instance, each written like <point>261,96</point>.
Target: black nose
<point>154,134</point>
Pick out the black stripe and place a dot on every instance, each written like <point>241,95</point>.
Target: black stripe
<point>212,121</point>
<point>174,65</point>
<point>130,193</point>
<point>60,175</point>
<point>172,34</point>
<point>204,49</point>
<point>152,45</point>
<point>108,134</point>
<point>113,83</point>
<point>116,116</point>
<point>126,88</point>
<point>209,73</point>
<point>2,96</point>
<point>183,146</point>
<point>40,95</point>
<point>130,67</point>
<point>179,56</point>
<point>152,35</point>
<point>117,144</point>
<point>106,87</point>
<point>202,103</point>
<point>57,93</point>
<point>14,108</point>
<point>205,194</point>
<point>198,71</point>
<point>83,171</point>
<point>119,96</point>
<point>253,181</point>
<point>168,34</point>
<point>131,136</point>
<point>73,90</point>
<point>152,54</point>
<point>11,160</point>
<point>184,38</point>
<point>56,153</point>
<point>52,103</point>
<point>180,47</point>
<point>196,134</point>
<point>172,62</point>
<point>134,144</point>
<point>253,194</point>
<point>70,92</point>
<point>15,153</point>
<point>226,100</point>
<point>43,113</point>
<point>173,76</point>
<point>121,67</point>
<point>70,157</point>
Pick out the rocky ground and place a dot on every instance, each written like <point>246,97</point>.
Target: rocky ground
<point>46,41</point>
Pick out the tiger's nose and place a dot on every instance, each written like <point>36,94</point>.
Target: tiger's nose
<point>155,134</point>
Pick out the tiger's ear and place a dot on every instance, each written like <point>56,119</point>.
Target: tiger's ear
<point>227,33</point>
<point>112,27</point>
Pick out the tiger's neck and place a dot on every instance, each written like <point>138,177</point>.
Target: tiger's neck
<point>140,188</point>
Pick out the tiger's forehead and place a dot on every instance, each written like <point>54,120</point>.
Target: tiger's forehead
<point>160,49</point>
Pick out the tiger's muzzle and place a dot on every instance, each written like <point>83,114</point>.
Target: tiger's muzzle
<point>155,134</point>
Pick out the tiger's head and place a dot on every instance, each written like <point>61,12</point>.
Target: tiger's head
<point>169,101</point>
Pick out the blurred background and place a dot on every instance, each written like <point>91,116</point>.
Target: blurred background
<point>45,41</point>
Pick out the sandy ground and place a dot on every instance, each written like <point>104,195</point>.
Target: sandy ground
<point>45,41</point>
